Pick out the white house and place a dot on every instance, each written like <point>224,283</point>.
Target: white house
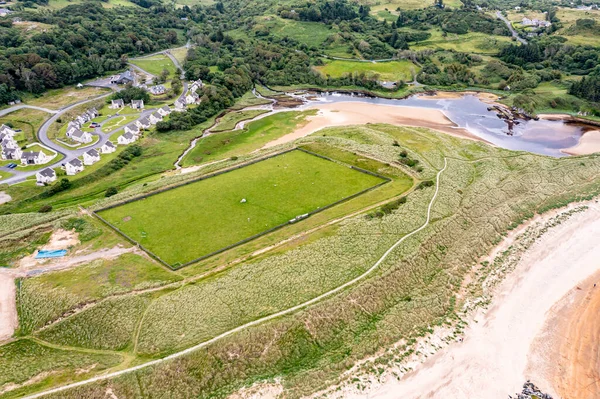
<point>155,118</point>
<point>179,105</point>
<point>157,90</point>
<point>143,123</point>
<point>137,104</point>
<point>116,104</point>
<point>7,131</point>
<point>11,153</point>
<point>45,176</point>
<point>122,78</point>
<point>90,157</point>
<point>192,98</point>
<point>126,138</point>
<point>7,142</point>
<point>132,128</point>
<point>73,167</point>
<point>108,147</point>
<point>164,111</point>
<point>92,113</point>
<point>81,136</point>
<point>33,158</point>
<point>71,127</point>
<point>196,85</point>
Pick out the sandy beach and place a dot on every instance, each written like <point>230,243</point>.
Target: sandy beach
<point>508,344</point>
<point>588,144</point>
<point>353,113</point>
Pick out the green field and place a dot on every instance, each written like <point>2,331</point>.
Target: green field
<point>392,70</point>
<point>231,119</point>
<point>191,221</point>
<point>155,64</point>
<point>472,42</point>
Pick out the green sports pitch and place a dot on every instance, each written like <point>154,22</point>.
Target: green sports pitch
<point>192,221</point>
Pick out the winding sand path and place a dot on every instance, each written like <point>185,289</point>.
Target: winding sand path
<point>492,361</point>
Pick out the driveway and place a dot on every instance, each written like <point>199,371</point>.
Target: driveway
<point>512,30</point>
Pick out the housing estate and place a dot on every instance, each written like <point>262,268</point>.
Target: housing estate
<point>108,147</point>
<point>45,176</point>
<point>91,157</point>
<point>33,158</point>
<point>73,167</point>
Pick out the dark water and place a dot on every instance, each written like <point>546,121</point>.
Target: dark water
<point>469,112</point>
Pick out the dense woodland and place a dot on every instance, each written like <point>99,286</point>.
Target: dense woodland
<point>86,40</point>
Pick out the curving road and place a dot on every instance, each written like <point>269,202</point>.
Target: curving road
<point>261,320</point>
<point>510,27</point>
<point>21,106</point>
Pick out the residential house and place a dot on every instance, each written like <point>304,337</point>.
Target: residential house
<point>11,153</point>
<point>116,104</point>
<point>81,136</point>
<point>122,78</point>
<point>192,98</point>
<point>137,104</point>
<point>73,167</point>
<point>535,22</point>
<point>164,111</point>
<point>7,131</point>
<point>108,147</point>
<point>179,105</point>
<point>72,126</point>
<point>126,138</point>
<point>33,158</point>
<point>90,157</point>
<point>196,85</point>
<point>132,128</point>
<point>157,90</point>
<point>143,123</point>
<point>7,142</point>
<point>45,176</point>
<point>155,118</point>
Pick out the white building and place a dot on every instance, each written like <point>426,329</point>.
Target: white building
<point>90,157</point>
<point>73,167</point>
<point>164,111</point>
<point>11,153</point>
<point>116,104</point>
<point>132,128</point>
<point>33,158</point>
<point>126,138</point>
<point>80,136</point>
<point>108,147</point>
<point>45,176</point>
<point>143,123</point>
<point>137,104</point>
<point>157,90</point>
<point>155,118</point>
<point>196,85</point>
<point>179,105</point>
<point>192,98</point>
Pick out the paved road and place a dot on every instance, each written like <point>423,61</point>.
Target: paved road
<point>261,320</point>
<point>65,154</point>
<point>509,25</point>
<point>21,106</point>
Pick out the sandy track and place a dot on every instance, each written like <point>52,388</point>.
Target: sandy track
<point>353,113</point>
<point>492,361</point>
<point>8,310</point>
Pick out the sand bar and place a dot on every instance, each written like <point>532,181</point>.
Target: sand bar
<point>356,113</point>
<point>589,143</point>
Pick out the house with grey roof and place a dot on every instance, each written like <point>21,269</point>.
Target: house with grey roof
<point>164,111</point>
<point>80,136</point>
<point>126,138</point>
<point>108,147</point>
<point>137,104</point>
<point>74,166</point>
<point>122,78</point>
<point>155,118</point>
<point>33,158</point>
<point>11,153</point>
<point>45,176</point>
<point>90,157</point>
<point>157,90</point>
<point>143,123</point>
<point>116,104</point>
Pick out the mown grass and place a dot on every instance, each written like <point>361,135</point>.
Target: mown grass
<point>231,119</point>
<point>156,64</point>
<point>191,221</point>
<point>391,70</point>
<point>252,137</point>
<point>117,122</point>
<point>483,192</point>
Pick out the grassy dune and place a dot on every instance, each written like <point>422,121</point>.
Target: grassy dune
<point>484,192</point>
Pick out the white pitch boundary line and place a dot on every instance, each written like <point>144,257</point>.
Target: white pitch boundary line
<point>258,321</point>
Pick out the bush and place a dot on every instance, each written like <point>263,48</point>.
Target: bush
<point>425,184</point>
<point>111,191</point>
<point>45,208</point>
<point>86,230</point>
<point>59,186</point>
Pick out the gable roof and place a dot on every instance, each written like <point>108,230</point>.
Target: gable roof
<point>144,121</point>
<point>118,101</point>
<point>109,144</point>
<point>137,101</point>
<point>165,108</point>
<point>78,133</point>
<point>30,155</point>
<point>157,115</point>
<point>48,172</point>
<point>75,162</point>
<point>92,153</point>
<point>127,135</point>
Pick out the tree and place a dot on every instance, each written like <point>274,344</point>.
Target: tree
<point>111,191</point>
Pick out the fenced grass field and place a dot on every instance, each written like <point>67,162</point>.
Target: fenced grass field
<point>198,219</point>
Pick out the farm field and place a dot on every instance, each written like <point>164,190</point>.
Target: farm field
<point>195,220</point>
<point>155,64</point>
<point>391,70</point>
<point>309,33</point>
<point>473,42</point>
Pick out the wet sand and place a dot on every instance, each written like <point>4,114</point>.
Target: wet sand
<point>353,113</point>
<point>500,344</point>
<point>568,355</point>
<point>588,144</point>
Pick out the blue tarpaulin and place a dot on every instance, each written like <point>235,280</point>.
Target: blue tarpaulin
<point>51,254</point>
